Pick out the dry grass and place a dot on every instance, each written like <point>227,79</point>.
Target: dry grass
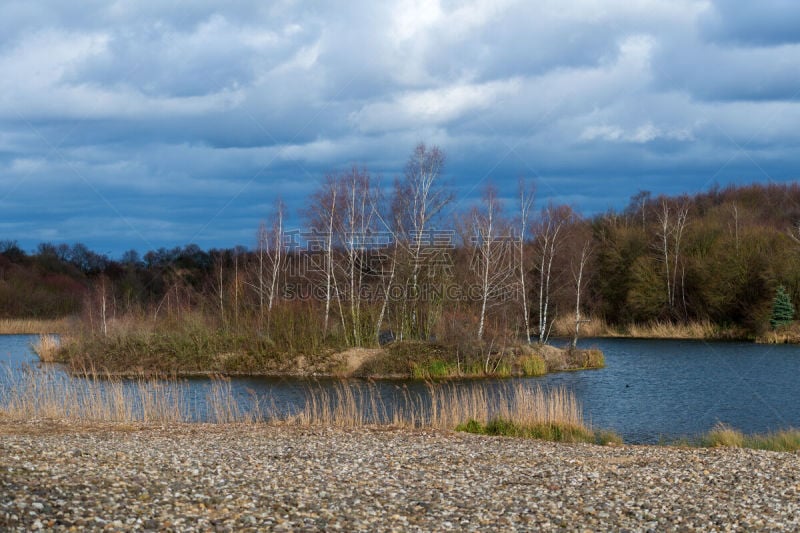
<point>24,326</point>
<point>722,435</point>
<point>44,394</point>
<point>597,327</point>
<point>564,326</point>
<point>789,334</point>
<point>36,394</point>
<point>668,330</point>
<point>443,406</point>
<point>47,348</point>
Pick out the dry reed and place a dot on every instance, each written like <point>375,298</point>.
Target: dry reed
<point>27,326</point>
<point>442,406</point>
<point>31,393</point>
<point>47,394</point>
<point>667,330</point>
<point>564,326</point>
<point>46,347</point>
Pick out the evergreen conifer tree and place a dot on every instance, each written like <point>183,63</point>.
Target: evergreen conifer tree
<point>782,309</point>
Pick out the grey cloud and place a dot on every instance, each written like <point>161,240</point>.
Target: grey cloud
<point>763,23</point>
<point>173,112</point>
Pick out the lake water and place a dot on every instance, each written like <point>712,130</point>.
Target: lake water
<point>650,390</point>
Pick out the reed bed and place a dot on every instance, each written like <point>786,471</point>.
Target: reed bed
<point>31,393</point>
<point>668,330</point>
<point>564,326</point>
<point>441,405</point>
<point>27,326</point>
<point>48,394</point>
<point>46,347</point>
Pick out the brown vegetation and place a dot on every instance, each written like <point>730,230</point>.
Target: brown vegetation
<point>98,398</point>
<point>32,326</point>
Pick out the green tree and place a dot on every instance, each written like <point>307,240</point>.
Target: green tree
<point>782,309</point>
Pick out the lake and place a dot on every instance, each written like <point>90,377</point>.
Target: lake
<point>650,390</point>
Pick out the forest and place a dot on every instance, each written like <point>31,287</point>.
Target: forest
<point>374,262</point>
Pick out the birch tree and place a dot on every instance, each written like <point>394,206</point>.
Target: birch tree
<point>356,225</point>
<point>579,284</point>
<point>322,219</point>
<point>418,199</point>
<point>270,262</point>
<point>526,197</point>
<point>671,225</point>
<point>550,226</point>
<point>493,258</point>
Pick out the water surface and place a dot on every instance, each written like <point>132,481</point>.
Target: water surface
<point>650,390</point>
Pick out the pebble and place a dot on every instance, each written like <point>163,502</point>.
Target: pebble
<point>270,477</point>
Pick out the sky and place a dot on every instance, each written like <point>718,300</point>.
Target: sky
<point>146,124</point>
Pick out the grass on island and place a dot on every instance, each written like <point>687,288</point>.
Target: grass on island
<point>426,360</point>
<point>194,344</point>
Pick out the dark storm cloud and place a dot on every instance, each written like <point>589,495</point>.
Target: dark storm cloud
<point>146,124</point>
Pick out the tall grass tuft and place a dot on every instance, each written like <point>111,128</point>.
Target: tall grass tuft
<point>46,348</point>
<point>723,435</point>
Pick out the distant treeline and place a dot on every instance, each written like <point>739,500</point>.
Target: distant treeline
<point>368,266</point>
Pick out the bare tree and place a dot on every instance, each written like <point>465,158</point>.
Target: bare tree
<point>671,225</point>
<point>270,262</point>
<point>794,232</point>
<point>356,226</point>
<point>493,255</point>
<point>418,200</point>
<point>219,289</point>
<point>550,226</point>
<point>322,216</point>
<point>735,212</point>
<point>386,265</point>
<point>526,197</point>
<point>586,251</point>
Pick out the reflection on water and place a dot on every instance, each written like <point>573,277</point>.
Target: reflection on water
<point>650,390</point>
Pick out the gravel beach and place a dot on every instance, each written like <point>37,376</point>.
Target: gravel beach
<point>230,478</point>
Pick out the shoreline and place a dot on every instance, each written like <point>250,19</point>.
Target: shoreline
<point>257,476</point>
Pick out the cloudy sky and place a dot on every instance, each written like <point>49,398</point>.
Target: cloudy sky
<point>140,124</point>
